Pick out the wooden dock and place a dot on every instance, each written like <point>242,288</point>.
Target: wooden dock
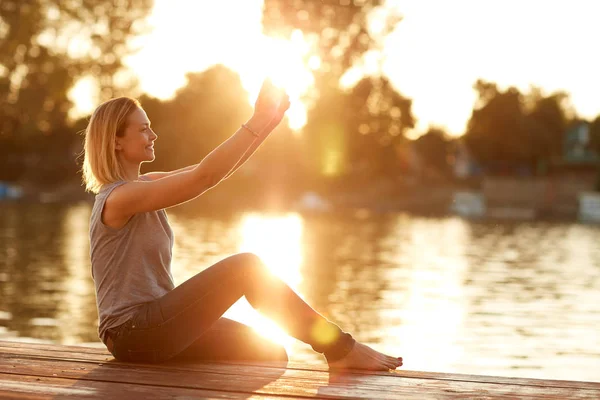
<point>43,371</point>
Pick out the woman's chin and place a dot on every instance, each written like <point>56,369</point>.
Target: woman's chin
<point>150,156</point>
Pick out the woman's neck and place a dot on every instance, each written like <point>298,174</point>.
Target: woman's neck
<point>132,171</point>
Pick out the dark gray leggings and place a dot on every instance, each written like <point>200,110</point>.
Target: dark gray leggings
<point>186,323</point>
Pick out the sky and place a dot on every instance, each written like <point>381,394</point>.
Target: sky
<point>434,56</point>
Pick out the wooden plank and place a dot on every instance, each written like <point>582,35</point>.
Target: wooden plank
<point>5,344</point>
<point>290,383</point>
<point>254,371</point>
<point>563,394</point>
<point>75,353</point>
<point>243,369</point>
<point>32,387</point>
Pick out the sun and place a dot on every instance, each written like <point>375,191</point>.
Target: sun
<point>289,64</point>
<point>289,71</point>
<point>289,61</point>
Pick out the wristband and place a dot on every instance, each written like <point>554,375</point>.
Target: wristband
<point>256,134</point>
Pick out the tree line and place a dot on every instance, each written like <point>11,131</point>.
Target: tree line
<point>356,134</point>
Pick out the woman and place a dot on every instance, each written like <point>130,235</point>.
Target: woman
<point>143,317</point>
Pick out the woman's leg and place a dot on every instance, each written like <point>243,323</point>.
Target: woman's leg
<point>165,327</point>
<point>228,340</point>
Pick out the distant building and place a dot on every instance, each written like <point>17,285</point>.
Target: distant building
<point>464,164</point>
<point>576,145</point>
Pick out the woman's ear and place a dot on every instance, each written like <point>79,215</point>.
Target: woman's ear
<point>118,144</point>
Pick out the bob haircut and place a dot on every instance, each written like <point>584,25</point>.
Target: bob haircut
<point>100,163</point>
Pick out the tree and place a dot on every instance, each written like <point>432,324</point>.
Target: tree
<point>338,28</point>
<point>354,130</point>
<point>509,129</point>
<point>496,131</point>
<point>204,113</point>
<point>595,145</point>
<point>595,135</point>
<point>45,47</point>
<point>548,123</point>
<point>433,149</point>
<point>201,115</point>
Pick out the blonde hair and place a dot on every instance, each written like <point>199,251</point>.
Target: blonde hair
<point>100,163</point>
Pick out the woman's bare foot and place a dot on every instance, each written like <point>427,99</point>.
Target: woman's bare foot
<point>364,357</point>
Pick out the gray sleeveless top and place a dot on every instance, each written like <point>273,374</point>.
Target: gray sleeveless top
<point>130,265</point>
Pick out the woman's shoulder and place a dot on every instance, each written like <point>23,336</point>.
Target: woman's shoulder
<point>111,185</point>
<point>104,192</point>
<point>100,203</point>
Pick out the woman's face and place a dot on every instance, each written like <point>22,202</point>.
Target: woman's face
<point>137,143</point>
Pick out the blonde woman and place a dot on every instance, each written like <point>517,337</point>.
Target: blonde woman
<point>143,317</point>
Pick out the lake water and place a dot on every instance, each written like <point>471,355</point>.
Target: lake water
<point>447,294</point>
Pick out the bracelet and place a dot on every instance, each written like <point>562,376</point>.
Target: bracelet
<point>256,134</point>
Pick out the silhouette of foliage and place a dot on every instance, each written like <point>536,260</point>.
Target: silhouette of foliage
<point>433,149</point>
<point>347,131</point>
<point>45,47</point>
<point>201,115</point>
<point>359,130</point>
<point>595,145</point>
<point>204,113</point>
<point>548,121</point>
<point>595,135</point>
<point>338,28</point>
<point>510,129</point>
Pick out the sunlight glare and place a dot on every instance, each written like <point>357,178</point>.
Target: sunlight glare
<point>432,322</point>
<point>436,68</point>
<point>314,62</point>
<point>283,61</point>
<point>77,282</point>
<point>249,53</point>
<point>277,240</point>
<point>84,94</point>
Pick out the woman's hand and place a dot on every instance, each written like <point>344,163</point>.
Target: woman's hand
<point>270,106</point>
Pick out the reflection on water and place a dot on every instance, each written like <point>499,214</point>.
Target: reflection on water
<point>449,295</point>
<point>277,240</point>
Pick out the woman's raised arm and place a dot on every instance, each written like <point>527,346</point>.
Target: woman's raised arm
<point>142,196</point>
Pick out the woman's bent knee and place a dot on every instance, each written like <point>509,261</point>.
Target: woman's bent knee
<point>248,259</point>
<point>250,263</point>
